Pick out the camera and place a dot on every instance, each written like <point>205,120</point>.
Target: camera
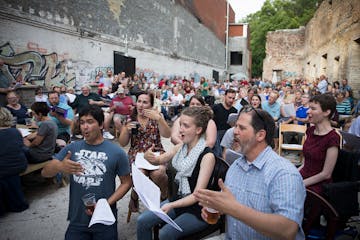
<point>135,130</point>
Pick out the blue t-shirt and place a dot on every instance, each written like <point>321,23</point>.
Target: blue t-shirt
<point>101,164</point>
<point>301,112</point>
<point>273,110</point>
<point>69,115</point>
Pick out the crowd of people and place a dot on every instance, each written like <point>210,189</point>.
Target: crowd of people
<point>263,194</point>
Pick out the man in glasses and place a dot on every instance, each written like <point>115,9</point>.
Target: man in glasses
<point>263,195</point>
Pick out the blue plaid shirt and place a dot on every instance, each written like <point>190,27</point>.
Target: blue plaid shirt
<point>270,184</point>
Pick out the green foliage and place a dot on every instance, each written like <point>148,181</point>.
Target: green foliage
<point>274,15</point>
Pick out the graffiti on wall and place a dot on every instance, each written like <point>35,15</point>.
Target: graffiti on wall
<point>289,74</point>
<point>37,67</point>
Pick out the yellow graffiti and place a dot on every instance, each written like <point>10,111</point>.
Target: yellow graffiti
<point>115,8</point>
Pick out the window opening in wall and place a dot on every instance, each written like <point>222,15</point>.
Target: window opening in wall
<point>308,63</point>
<point>236,58</point>
<point>357,40</point>
<point>277,75</point>
<point>337,58</point>
<point>325,56</point>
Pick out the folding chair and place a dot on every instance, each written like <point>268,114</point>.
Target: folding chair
<point>297,148</point>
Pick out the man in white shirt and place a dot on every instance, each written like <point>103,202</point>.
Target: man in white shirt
<point>177,100</point>
<point>323,84</point>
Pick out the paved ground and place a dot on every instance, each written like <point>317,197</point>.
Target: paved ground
<point>46,216</point>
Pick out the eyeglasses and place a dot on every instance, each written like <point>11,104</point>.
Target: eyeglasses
<point>249,108</point>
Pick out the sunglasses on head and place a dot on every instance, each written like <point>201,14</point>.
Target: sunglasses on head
<point>249,108</point>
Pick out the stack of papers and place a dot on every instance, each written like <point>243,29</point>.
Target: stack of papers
<point>102,213</point>
<point>149,194</point>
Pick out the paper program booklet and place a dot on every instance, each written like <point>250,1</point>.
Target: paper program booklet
<point>149,194</point>
<point>142,163</point>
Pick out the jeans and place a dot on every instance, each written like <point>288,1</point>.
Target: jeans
<point>188,222</point>
<point>96,232</point>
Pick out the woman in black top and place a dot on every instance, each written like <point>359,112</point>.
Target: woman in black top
<point>194,164</point>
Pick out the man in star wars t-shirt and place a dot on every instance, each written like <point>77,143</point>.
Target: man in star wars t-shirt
<point>93,165</point>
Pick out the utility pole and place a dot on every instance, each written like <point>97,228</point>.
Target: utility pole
<point>227,40</point>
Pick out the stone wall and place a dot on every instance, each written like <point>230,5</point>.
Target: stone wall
<point>284,53</point>
<point>68,42</point>
<point>331,45</point>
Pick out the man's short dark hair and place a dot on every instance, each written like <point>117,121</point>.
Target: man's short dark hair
<point>52,92</point>
<point>230,90</point>
<point>40,107</point>
<point>95,111</point>
<point>261,119</point>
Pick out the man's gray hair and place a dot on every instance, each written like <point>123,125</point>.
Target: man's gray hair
<point>86,86</point>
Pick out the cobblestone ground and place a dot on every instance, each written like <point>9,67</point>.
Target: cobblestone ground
<point>46,216</point>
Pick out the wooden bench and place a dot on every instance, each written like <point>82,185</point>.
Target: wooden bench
<point>32,167</point>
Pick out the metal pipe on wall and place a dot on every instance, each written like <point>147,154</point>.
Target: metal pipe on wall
<point>227,40</point>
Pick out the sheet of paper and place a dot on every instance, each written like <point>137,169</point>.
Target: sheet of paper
<point>102,213</point>
<point>231,156</point>
<point>24,131</point>
<point>71,97</point>
<point>289,110</point>
<point>149,194</point>
<point>142,163</point>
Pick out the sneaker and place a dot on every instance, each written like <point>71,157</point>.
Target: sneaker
<point>108,135</point>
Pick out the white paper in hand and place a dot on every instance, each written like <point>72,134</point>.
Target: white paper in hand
<point>289,110</point>
<point>102,213</point>
<point>142,163</point>
<point>24,132</point>
<point>149,194</point>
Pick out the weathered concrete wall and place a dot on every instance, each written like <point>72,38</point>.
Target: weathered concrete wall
<point>284,53</point>
<point>71,41</point>
<point>331,45</point>
<point>239,42</point>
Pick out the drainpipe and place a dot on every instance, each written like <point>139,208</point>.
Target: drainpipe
<point>227,40</point>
